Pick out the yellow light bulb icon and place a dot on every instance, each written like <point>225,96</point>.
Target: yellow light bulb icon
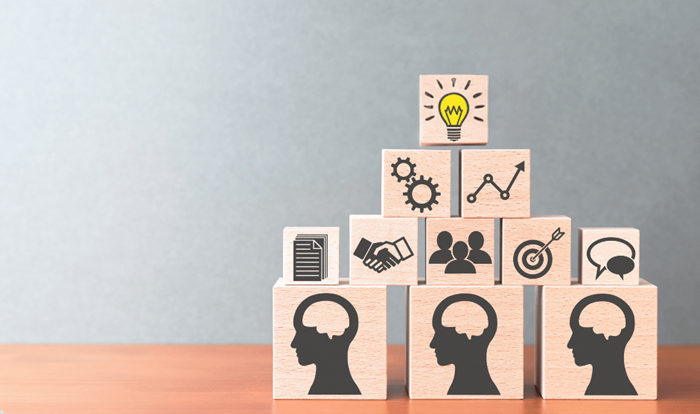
<point>453,110</point>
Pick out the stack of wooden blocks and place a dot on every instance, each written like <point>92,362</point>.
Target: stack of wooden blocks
<point>464,339</point>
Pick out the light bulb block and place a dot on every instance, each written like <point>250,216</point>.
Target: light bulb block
<point>608,256</point>
<point>596,342</point>
<point>464,342</point>
<point>459,251</point>
<point>311,255</point>
<point>416,183</point>
<point>454,110</point>
<point>329,342</point>
<point>494,183</point>
<point>536,251</point>
<point>383,251</point>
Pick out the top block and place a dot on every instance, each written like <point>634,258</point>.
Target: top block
<point>416,183</point>
<point>454,110</point>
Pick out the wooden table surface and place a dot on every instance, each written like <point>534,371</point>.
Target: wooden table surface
<point>122,379</point>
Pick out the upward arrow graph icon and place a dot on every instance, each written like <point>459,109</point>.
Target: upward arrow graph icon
<point>488,179</point>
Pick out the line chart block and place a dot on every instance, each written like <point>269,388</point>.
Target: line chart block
<point>494,183</point>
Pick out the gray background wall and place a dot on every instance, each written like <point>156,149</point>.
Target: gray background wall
<point>151,152</point>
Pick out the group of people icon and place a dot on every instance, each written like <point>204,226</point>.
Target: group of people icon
<point>461,257</point>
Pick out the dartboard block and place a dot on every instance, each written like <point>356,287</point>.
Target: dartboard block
<point>383,251</point>
<point>608,256</point>
<point>416,183</point>
<point>464,342</point>
<point>596,342</point>
<point>523,239</point>
<point>494,183</point>
<point>454,110</point>
<point>311,255</point>
<point>329,342</point>
<point>459,251</point>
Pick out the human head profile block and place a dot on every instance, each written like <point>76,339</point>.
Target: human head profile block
<point>329,342</point>
<point>464,342</point>
<point>596,342</point>
<point>606,355</point>
<point>330,355</point>
<point>468,355</point>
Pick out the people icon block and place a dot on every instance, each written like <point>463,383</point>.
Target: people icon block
<point>460,257</point>
<point>459,251</point>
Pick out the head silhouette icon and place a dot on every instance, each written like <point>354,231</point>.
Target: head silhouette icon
<point>472,375</point>
<point>476,255</point>
<point>607,356</point>
<point>329,354</point>
<point>443,255</point>
<point>460,265</point>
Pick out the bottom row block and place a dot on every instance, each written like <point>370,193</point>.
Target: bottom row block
<point>465,342</point>
<point>592,342</point>
<point>596,342</point>
<point>329,342</point>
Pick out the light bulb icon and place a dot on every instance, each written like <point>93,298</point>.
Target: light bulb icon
<point>453,110</point>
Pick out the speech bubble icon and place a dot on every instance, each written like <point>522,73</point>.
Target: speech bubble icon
<point>619,264</point>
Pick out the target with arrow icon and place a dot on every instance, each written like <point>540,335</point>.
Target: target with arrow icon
<point>533,259</point>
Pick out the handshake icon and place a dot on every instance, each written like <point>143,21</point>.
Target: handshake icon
<point>383,256</point>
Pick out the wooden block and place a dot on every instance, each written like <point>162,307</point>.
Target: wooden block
<point>494,183</point>
<point>383,251</point>
<point>596,342</point>
<point>465,341</point>
<point>311,255</point>
<point>536,251</point>
<point>459,251</point>
<point>416,183</point>
<point>454,110</point>
<point>329,342</point>
<point>608,256</point>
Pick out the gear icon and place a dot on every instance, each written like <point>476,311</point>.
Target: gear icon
<point>411,169</point>
<point>417,183</point>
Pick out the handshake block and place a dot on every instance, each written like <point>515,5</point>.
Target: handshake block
<point>381,256</point>
<point>383,251</point>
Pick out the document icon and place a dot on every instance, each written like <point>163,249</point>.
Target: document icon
<point>310,257</point>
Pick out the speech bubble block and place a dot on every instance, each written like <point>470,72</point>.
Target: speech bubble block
<point>614,262</point>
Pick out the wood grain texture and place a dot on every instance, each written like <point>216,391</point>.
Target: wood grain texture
<point>377,229</point>
<point>460,229</point>
<point>366,355</point>
<point>426,377</point>
<point>558,376</point>
<point>433,165</point>
<point>474,165</point>
<point>603,251</point>
<point>475,127</point>
<point>139,379</point>
<point>517,232</point>
<point>290,233</point>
